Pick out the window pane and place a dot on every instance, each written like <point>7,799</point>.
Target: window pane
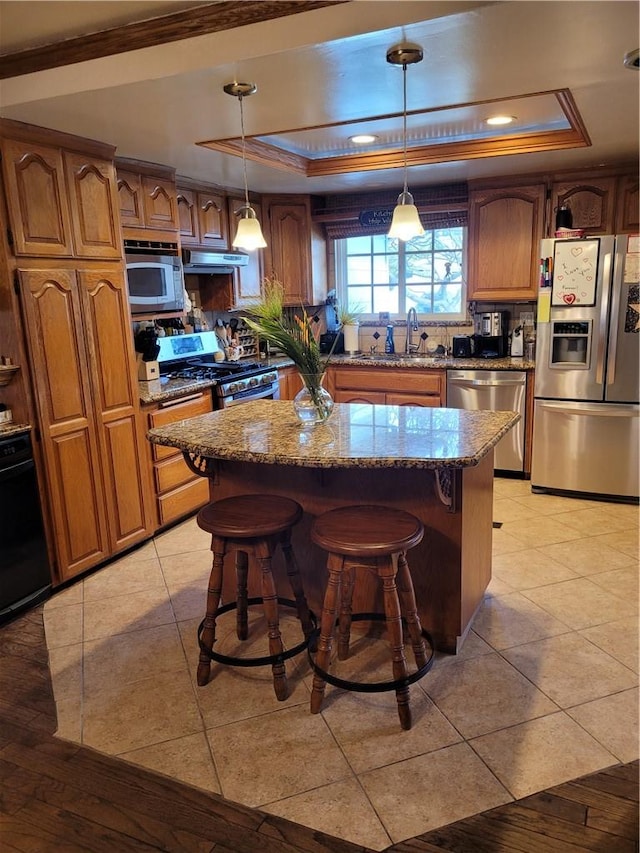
<point>447,298</point>
<point>359,269</point>
<point>448,238</point>
<point>385,299</point>
<point>385,269</point>
<point>359,299</point>
<point>420,299</point>
<point>418,268</point>
<point>447,266</point>
<point>358,245</point>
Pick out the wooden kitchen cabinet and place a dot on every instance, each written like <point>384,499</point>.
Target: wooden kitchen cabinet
<point>80,349</point>
<point>290,382</point>
<point>627,205</point>
<point>392,386</point>
<point>592,203</point>
<point>296,249</point>
<point>178,491</point>
<point>505,228</point>
<point>61,203</point>
<point>202,216</point>
<point>147,197</point>
<point>247,281</point>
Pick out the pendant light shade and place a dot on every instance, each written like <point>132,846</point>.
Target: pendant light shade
<point>249,233</point>
<point>405,223</point>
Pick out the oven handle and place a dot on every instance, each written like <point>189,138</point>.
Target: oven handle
<point>267,391</point>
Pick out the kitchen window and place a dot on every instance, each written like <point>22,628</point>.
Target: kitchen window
<point>377,273</point>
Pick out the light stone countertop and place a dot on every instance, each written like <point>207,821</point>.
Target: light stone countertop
<point>356,435</point>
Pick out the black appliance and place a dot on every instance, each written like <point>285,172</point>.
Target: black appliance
<point>491,339</point>
<point>327,342</point>
<point>232,381</point>
<point>462,346</point>
<point>25,576</point>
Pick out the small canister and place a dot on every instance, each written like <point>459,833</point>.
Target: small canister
<point>564,217</point>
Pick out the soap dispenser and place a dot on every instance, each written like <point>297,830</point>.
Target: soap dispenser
<point>389,346</point>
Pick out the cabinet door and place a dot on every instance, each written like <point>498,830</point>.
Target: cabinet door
<point>505,228</point>
<point>628,206</point>
<point>130,199</point>
<point>289,247</point>
<point>411,400</point>
<point>591,203</point>
<point>246,280</point>
<point>37,199</point>
<point>345,396</point>
<point>71,451</point>
<point>187,217</point>
<point>212,220</point>
<point>116,403</point>
<point>159,202</point>
<point>290,382</point>
<point>93,197</point>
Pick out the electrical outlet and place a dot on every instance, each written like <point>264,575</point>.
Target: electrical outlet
<point>526,318</point>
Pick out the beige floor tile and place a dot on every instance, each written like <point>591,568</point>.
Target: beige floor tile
<point>504,487</point>
<point>183,539</point>
<point>592,522</point>
<point>509,620</point>
<point>69,717</point>
<point>186,758</point>
<point>140,713</point>
<point>630,513</point>
<point>65,666</point>
<point>189,602</point>
<point>340,809</point>
<point>367,728</point>
<point>127,613</point>
<point>541,753</point>
<point>580,603</point>
<point>619,639</point>
<point>287,752</point>
<point>622,540</point>
<point>551,504</point>
<point>65,597</point>
<point>497,586</point>
<point>124,658</point>
<point>623,583</point>
<point>472,647</point>
<point>534,532</point>
<point>239,693</point>
<point>570,670</point>
<point>439,777</point>
<point>506,509</point>
<point>528,569</point>
<point>613,722</point>
<point>485,694</point>
<point>63,625</point>
<point>193,567</point>
<point>126,575</point>
<point>505,543</point>
<point>587,556</point>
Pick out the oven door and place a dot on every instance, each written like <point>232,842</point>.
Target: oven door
<point>262,392</point>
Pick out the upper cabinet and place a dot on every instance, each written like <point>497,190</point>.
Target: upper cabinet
<point>505,228</point>
<point>61,202</point>
<point>202,215</point>
<point>627,205</point>
<point>592,203</point>
<point>296,248</point>
<point>147,194</point>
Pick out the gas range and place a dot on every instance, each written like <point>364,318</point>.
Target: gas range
<point>232,380</point>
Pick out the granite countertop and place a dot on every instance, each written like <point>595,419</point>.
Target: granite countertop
<point>14,429</point>
<point>356,435</point>
<point>432,362</point>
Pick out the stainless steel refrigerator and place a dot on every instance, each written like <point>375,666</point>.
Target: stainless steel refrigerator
<point>586,413</point>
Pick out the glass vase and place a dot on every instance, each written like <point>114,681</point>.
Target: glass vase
<point>313,403</point>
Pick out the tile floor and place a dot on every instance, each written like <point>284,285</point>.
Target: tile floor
<point>544,690</point>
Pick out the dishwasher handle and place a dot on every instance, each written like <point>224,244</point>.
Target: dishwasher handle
<point>488,383</point>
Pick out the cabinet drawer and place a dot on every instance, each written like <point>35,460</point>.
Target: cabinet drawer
<point>183,500</point>
<point>176,411</point>
<point>417,381</point>
<point>171,473</point>
<point>412,400</point>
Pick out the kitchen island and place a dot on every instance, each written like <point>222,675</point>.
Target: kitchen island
<point>436,463</point>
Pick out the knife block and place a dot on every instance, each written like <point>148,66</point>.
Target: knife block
<point>148,370</point>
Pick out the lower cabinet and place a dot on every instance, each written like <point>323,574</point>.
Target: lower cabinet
<point>290,382</point>
<point>178,491</point>
<point>391,386</point>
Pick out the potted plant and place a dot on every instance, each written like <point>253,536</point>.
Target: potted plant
<point>350,324</point>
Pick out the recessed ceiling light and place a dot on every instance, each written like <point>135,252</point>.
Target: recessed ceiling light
<point>363,139</point>
<point>497,120</point>
<point>632,59</point>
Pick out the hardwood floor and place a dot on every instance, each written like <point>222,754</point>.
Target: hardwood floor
<point>58,796</point>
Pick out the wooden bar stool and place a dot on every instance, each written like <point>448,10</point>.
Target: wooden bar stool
<point>252,525</point>
<point>369,537</point>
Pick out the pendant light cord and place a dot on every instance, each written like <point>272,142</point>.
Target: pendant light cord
<point>404,122</point>
<point>244,159</point>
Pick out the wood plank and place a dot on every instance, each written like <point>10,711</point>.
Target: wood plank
<point>625,826</point>
<point>595,793</point>
<point>547,803</point>
<point>299,836</point>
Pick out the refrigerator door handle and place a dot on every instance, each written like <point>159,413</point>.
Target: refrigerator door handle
<point>616,299</point>
<point>604,311</point>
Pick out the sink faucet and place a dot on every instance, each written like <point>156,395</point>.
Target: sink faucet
<point>412,326</point>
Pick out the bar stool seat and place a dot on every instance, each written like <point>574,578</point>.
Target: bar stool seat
<point>252,526</point>
<point>372,538</point>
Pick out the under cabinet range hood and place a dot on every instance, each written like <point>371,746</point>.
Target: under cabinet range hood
<point>196,261</point>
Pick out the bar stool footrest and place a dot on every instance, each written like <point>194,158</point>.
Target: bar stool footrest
<point>370,686</point>
<point>265,660</point>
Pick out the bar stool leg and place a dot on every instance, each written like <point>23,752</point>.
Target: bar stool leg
<point>270,605</point>
<point>387,570</point>
<point>293,573</point>
<point>327,621</point>
<point>344,620</point>
<point>242,570</point>
<point>214,590</point>
<point>408,599</point>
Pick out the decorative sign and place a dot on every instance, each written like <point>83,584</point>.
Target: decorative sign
<point>373,218</point>
<point>575,272</point>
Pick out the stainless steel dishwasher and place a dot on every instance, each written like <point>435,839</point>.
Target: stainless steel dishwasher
<point>497,391</point>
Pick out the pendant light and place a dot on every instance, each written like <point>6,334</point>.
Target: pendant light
<point>249,234</point>
<point>406,222</point>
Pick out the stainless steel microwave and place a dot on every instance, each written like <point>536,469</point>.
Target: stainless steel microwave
<point>155,278</point>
